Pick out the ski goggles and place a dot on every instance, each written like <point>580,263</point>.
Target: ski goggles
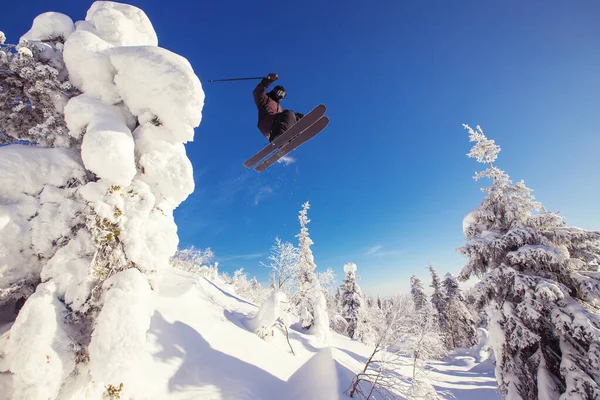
<point>280,94</point>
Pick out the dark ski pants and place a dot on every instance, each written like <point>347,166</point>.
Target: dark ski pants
<point>281,123</point>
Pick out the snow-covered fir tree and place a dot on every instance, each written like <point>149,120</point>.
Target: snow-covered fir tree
<point>35,88</point>
<point>310,300</point>
<point>540,283</point>
<point>460,328</point>
<point>417,292</point>
<point>439,302</point>
<point>351,299</point>
<point>88,209</point>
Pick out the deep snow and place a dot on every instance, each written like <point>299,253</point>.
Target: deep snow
<point>199,347</point>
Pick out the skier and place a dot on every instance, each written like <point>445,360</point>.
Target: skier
<point>272,119</point>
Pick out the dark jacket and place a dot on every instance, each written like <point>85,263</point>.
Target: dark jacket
<point>267,107</point>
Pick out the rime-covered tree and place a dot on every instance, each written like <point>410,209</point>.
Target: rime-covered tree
<point>460,328</point>
<point>283,262</point>
<point>439,301</point>
<point>540,284</point>
<point>351,299</point>
<point>418,293</point>
<point>404,337</point>
<point>310,300</point>
<point>34,89</point>
<point>87,207</point>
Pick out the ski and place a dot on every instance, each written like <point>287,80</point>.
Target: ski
<point>309,119</point>
<point>293,144</point>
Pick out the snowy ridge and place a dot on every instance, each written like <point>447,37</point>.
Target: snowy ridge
<point>198,346</point>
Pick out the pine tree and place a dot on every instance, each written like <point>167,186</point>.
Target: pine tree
<point>306,267</point>
<point>418,293</point>
<point>540,283</point>
<point>352,300</point>
<point>34,88</point>
<point>460,329</point>
<point>103,176</point>
<point>310,300</point>
<point>439,303</point>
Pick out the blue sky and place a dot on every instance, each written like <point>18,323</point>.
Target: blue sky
<point>388,180</point>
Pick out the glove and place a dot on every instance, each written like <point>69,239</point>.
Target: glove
<point>272,77</point>
<point>299,116</point>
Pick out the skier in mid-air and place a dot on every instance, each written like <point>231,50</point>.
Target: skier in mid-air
<point>272,119</point>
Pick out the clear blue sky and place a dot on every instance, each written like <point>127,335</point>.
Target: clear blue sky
<point>388,180</point>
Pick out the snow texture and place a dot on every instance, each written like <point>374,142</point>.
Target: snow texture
<point>156,83</point>
<point>349,268</point>
<point>96,226</point>
<point>107,148</point>
<point>38,348</point>
<point>34,212</point>
<point>118,343</point>
<point>121,24</point>
<point>165,166</point>
<point>90,70</point>
<point>269,313</point>
<point>50,25</point>
<point>544,333</point>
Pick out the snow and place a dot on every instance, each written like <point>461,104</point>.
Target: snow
<point>25,53</point>
<point>27,169</point>
<point>89,66</point>
<point>33,213</point>
<point>43,359</point>
<point>69,269</point>
<point>349,268</point>
<point>118,343</point>
<point>469,220</point>
<point>50,25</point>
<point>121,24</point>
<point>156,83</point>
<point>165,166</point>
<point>116,164</point>
<point>270,311</point>
<point>107,148</point>
<point>321,372</point>
<point>198,346</point>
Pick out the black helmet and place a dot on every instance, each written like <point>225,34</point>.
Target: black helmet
<point>278,93</point>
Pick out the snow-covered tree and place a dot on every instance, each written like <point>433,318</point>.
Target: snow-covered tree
<point>405,338</point>
<point>88,209</point>
<point>337,322</point>
<point>249,289</point>
<point>35,88</point>
<point>310,300</point>
<point>283,262</point>
<point>196,261</point>
<point>460,328</point>
<point>439,302</point>
<point>351,299</point>
<point>541,285</point>
<point>418,293</point>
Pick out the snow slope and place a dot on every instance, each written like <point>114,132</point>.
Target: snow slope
<point>200,348</point>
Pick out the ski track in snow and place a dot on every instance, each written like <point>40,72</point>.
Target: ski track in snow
<point>201,348</point>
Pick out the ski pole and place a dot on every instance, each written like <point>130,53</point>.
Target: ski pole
<point>236,79</point>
